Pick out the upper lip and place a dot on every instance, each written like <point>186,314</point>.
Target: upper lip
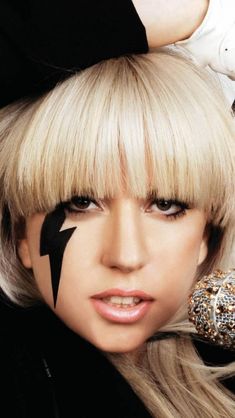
<point>123,293</point>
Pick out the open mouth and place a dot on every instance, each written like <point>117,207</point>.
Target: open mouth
<point>122,306</point>
<point>122,302</point>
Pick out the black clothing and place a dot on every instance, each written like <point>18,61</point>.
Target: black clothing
<point>214,355</point>
<point>48,371</point>
<point>42,42</point>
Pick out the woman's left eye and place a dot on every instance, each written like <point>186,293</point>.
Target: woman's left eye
<point>169,208</point>
<point>80,204</point>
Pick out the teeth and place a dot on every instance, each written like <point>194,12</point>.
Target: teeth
<point>122,301</point>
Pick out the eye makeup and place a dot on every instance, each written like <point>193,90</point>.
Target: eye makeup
<point>80,204</point>
<point>169,208</point>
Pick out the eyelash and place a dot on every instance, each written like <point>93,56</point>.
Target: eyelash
<point>177,215</point>
<point>68,205</point>
<point>181,212</point>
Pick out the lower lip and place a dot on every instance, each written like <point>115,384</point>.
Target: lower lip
<point>121,315</point>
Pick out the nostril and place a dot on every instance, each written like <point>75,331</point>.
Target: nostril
<point>233,107</point>
<point>125,267</point>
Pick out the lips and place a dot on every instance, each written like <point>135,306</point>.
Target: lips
<point>122,302</point>
<point>120,306</point>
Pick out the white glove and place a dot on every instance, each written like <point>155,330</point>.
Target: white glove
<point>213,43</point>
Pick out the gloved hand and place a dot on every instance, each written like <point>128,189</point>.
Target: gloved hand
<point>213,43</point>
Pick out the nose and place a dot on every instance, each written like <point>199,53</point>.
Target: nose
<point>125,247</point>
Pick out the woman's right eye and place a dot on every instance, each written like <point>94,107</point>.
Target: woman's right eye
<point>80,204</point>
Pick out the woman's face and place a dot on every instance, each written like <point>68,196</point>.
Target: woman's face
<point>127,265</point>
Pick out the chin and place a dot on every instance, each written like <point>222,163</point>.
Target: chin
<point>118,345</point>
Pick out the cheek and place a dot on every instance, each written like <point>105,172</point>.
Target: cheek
<point>175,266</point>
<point>79,261</point>
<point>184,254</point>
<point>184,241</point>
<point>178,255</point>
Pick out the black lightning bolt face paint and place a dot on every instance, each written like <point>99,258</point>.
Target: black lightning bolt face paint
<point>53,243</point>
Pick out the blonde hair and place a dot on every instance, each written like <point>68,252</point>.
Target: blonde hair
<point>156,125</point>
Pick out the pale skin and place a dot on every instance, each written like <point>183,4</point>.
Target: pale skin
<point>126,244</point>
<point>167,22</point>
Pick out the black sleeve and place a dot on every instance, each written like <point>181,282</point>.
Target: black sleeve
<point>44,41</point>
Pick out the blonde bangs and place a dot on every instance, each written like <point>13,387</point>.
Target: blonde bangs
<point>148,124</point>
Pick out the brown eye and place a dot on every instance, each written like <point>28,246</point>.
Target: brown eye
<point>167,208</point>
<point>81,202</point>
<point>163,205</point>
